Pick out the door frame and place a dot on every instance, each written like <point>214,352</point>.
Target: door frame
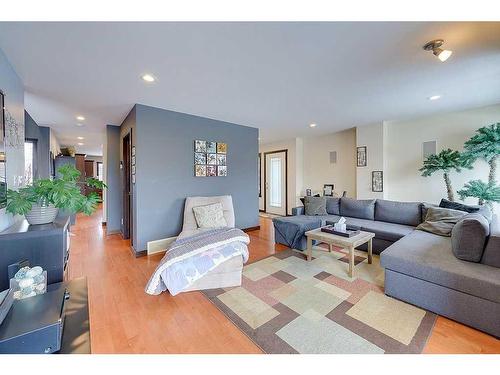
<point>286,178</point>
<point>127,211</point>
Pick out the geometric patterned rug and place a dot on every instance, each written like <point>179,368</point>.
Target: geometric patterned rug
<point>288,305</point>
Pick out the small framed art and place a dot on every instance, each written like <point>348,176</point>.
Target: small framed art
<point>200,170</point>
<point>328,190</point>
<point>222,171</point>
<point>377,181</point>
<point>361,156</point>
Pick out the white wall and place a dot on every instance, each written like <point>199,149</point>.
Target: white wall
<point>371,136</point>
<point>13,88</point>
<point>318,170</point>
<point>54,144</point>
<point>404,153</point>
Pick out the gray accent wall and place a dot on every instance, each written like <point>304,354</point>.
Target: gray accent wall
<point>113,194</point>
<point>41,134</point>
<point>164,143</point>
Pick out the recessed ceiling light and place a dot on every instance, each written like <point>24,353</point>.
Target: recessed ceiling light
<point>80,144</point>
<point>312,125</point>
<point>80,118</point>
<point>434,97</point>
<point>434,46</point>
<point>148,77</point>
<point>80,138</point>
<point>79,124</point>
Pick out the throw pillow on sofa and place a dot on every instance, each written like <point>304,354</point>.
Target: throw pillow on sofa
<point>445,203</point>
<point>362,209</point>
<point>441,221</point>
<point>210,216</point>
<point>315,206</point>
<point>468,237</point>
<point>303,199</point>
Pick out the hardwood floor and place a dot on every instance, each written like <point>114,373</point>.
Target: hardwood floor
<point>124,319</point>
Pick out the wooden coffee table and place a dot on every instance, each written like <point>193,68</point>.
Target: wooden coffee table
<point>348,243</point>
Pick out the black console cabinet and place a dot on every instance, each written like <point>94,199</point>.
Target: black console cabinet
<point>45,245</point>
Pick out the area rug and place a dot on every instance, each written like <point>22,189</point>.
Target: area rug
<point>289,305</point>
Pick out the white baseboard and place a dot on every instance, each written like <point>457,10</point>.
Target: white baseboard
<point>159,246</point>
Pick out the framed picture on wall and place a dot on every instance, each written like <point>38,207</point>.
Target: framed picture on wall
<point>361,156</point>
<point>328,190</point>
<point>377,181</point>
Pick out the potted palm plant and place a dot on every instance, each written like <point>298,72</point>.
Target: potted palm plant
<point>446,161</point>
<point>41,201</point>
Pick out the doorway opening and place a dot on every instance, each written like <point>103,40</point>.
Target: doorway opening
<point>127,231</point>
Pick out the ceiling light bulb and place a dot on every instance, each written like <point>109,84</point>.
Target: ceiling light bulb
<point>148,78</point>
<point>312,125</point>
<point>80,144</point>
<point>442,54</point>
<point>79,137</point>
<point>434,97</point>
<point>80,118</point>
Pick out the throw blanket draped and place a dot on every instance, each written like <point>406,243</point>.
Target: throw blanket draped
<point>188,259</point>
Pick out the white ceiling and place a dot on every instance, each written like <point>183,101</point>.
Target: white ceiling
<point>278,77</point>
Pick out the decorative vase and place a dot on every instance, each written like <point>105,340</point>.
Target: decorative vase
<point>42,214</point>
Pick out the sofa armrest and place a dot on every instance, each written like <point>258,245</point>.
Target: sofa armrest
<point>491,254</point>
<point>298,211</point>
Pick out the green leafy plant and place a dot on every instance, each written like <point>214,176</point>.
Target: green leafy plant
<point>485,192</point>
<point>446,161</point>
<point>485,144</point>
<point>63,192</point>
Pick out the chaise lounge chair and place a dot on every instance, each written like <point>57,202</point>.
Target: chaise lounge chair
<point>228,273</point>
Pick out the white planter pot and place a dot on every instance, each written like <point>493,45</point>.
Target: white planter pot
<point>41,214</point>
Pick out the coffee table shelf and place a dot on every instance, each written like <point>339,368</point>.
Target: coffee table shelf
<point>348,243</point>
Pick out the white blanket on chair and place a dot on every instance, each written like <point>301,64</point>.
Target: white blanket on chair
<point>190,258</point>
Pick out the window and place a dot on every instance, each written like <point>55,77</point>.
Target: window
<point>29,161</point>
<point>100,171</point>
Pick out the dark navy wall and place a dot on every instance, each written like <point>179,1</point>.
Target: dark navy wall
<point>165,170</point>
<point>42,136</point>
<point>113,180</point>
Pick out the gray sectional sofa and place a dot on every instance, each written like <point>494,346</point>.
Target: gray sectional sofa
<point>420,267</point>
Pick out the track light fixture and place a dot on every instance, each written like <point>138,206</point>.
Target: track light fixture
<point>435,47</point>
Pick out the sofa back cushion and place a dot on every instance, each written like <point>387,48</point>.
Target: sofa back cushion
<point>362,209</point>
<point>315,206</point>
<point>406,213</point>
<point>469,236</point>
<point>333,206</point>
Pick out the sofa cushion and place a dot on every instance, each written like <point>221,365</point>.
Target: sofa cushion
<point>361,209</point>
<point>333,206</point>
<point>315,206</point>
<point>429,257</point>
<point>491,254</point>
<point>383,231</point>
<point>406,213</point>
<point>468,237</point>
<point>292,228</point>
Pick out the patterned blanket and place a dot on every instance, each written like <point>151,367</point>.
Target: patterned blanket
<point>188,259</point>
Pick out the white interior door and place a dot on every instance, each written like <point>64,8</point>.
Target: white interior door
<point>276,183</point>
